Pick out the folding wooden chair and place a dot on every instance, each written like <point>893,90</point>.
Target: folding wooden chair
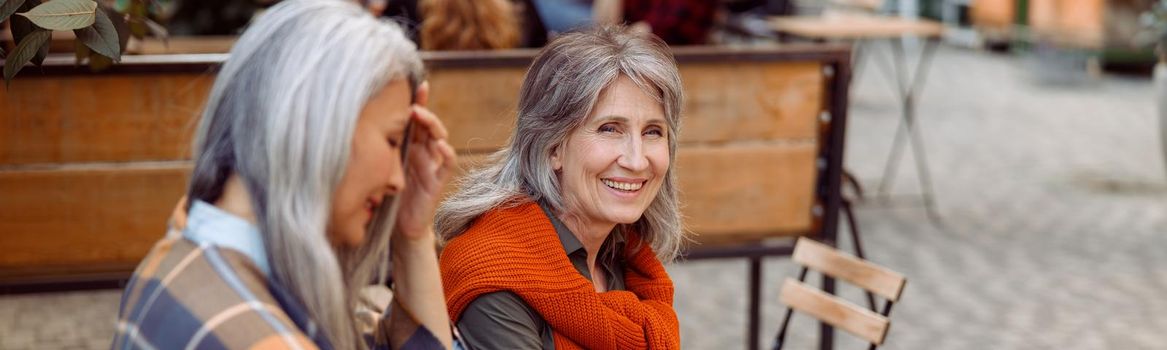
<point>837,312</point>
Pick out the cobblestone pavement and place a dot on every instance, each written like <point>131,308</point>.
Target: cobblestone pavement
<point>1052,199</point>
<point>1053,205</point>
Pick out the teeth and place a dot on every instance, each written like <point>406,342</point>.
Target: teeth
<point>623,186</point>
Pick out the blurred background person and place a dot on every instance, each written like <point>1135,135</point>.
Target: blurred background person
<point>469,25</point>
<point>678,22</point>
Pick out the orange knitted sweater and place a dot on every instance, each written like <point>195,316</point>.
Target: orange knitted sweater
<point>516,249</point>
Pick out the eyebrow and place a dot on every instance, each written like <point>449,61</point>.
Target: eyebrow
<point>623,119</point>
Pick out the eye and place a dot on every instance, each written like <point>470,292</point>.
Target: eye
<point>655,131</point>
<point>394,142</point>
<point>607,128</point>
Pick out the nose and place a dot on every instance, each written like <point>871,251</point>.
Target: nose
<point>396,181</point>
<point>632,157</point>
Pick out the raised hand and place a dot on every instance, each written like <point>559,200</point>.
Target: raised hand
<point>430,161</point>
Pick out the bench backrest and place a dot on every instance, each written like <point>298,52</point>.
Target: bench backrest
<point>91,164</point>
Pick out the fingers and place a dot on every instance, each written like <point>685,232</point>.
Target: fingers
<point>449,159</point>
<point>431,164</point>
<point>430,122</point>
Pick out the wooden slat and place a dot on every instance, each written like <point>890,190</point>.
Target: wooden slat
<point>183,45</point>
<point>746,191</point>
<point>730,101</point>
<point>66,221</point>
<point>477,105</point>
<point>100,118</point>
<point>856,27</point>
<point>109,118</point>
<point>766,101</point>
<point>842,314</point>
<point>877,279</point>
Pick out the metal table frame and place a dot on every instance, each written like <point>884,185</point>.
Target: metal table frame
<point>863,30</point>
<point>907,88</point>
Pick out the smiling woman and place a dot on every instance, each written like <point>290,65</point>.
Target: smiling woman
<point>558,241</point>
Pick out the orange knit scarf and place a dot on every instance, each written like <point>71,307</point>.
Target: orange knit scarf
<point>516,249</point>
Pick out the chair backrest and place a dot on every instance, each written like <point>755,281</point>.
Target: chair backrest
<point>837,312</point>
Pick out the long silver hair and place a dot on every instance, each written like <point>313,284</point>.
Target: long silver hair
<point>281,115</point>
<point>558,93</point>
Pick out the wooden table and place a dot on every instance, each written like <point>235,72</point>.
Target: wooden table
<point>856,27</point>
<point>863,30</point>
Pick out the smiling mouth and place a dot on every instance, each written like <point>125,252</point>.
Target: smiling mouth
<point>623,186</point>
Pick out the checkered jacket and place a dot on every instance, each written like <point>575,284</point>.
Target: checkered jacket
<point>192,296</point>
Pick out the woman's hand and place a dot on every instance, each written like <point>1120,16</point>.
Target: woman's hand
<point>429,164</point>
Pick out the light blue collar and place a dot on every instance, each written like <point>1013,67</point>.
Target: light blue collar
<point>207,224</point>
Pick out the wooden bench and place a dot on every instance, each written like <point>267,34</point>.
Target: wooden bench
<point>91,164</point>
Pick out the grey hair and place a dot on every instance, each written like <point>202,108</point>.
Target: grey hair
<point>281,115</point>
<point>557,95</point>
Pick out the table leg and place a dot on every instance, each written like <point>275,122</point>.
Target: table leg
<point>755,302</point>
<point>908,89</point>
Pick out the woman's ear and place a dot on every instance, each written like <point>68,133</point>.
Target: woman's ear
<point>423,94</point>
<point>556,162</point>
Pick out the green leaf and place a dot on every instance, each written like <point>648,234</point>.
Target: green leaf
<point>9,7</point>
<point>102,37</point>
<point>24,52</point>
<point>22,26</point>
<point>119,23</point>
<point>42,53</point>
<point>63,14</point>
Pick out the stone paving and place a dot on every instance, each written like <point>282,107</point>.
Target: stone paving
<point>1053,205</point>
<point>1052,198</point>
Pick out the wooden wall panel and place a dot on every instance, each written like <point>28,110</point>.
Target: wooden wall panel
<point>100,118</point>
<point>724,102</point>
<point>747,191</point>
<point>477,105</point>
<point>762,101</point>
<point>119,118</point>
<point>78,218</point>
<point>91,165</point>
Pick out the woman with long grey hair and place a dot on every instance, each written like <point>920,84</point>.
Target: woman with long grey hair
<point>557,241</point>
<point>300,164</point>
